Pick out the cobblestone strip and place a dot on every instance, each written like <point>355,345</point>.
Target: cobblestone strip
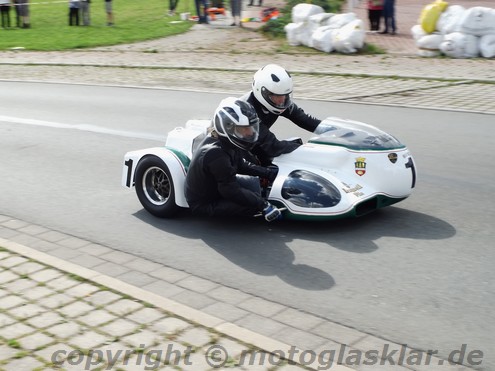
<point>462,95</point>
<point>50,319</point>
<point>466,96</point>
<point>82,308</point>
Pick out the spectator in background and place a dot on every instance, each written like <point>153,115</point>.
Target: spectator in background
<point>109,11</point>
<point>235,8</point>
<point>5,13</point>
<point>73,12</point>
<point>17,5</point>
<point>251,3</point>
<point>172,6</point>
<point>375,11</point>
<point>84,6</point>
<point>389,17</point>
<point>201,11</point>
<point>22,13</point>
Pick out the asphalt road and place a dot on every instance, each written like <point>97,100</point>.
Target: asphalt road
<point>419,273</point>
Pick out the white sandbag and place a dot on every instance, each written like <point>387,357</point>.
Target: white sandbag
<point>478,21</point>
<point>417,32</point>
<point>322,39</point>
<point>318,20</point>
<point>487,46</point>
<point>292,31</point>
<point>358,33</point>
<point>340,20</point>
<point>326,20</point>
<point>349,38</point>
<point>430,42</point>
<point>449,20</point>
<point>428,53</point>
<point>460,45</point>
<point>304,35</point>
<point>301,12</point>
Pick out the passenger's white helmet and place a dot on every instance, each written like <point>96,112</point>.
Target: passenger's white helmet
<point>269,82</point>
<point>237,121</point>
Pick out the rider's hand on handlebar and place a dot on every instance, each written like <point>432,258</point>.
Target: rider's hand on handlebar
<point>297,141</point>
<point>271,213</point>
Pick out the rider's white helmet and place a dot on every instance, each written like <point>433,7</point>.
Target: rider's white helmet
<point>272,87</point>
<point>237,121</point>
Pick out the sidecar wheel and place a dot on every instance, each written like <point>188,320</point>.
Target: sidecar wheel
<point>155,187</point>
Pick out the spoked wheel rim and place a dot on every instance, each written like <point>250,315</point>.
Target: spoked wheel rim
<point>156,185</point>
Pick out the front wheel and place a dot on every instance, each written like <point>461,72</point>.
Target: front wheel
<point>155,187</point>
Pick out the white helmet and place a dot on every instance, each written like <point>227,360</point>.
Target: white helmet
<point>272,87</point>
<point>237,121</point>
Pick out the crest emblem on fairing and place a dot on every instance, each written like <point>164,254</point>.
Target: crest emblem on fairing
<point>392,157</point>
<point>360,166</point>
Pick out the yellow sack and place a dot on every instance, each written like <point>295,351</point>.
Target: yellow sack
<point>443,4</point>
<point>429,17</point>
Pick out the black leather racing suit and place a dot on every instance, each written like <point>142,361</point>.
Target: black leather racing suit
<point>268,145</point>
<point>212,187</point>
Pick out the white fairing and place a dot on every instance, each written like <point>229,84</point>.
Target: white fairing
<point>341,167</point>
<point>348,169</point>
<point>346,165</point>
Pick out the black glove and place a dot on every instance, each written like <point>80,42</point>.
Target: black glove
<point>296,140</point>
<point>271,172</point>
<point>271,213</point>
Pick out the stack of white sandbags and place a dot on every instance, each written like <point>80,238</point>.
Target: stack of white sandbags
<point>455,31</point>
<point>327,32</point>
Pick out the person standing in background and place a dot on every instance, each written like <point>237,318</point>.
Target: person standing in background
<point>17,5</point>
<point>389,17</point>
<point>84,6</point>
<point>22,13</point>
<point>236,8</point>
<point>251,3</point>
<point>375,11</point>
<point>109,11</point>
<point>201,11</point>
<point>172,6</point>
<point>73,12</point>
<point>5,13</point>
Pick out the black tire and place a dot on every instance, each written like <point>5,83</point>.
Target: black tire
<point>155,187</point>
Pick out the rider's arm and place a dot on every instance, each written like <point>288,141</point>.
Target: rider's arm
<point>301,118</point>
<point>222,169</point>
<point>269,146</point>
<point>248,168</point>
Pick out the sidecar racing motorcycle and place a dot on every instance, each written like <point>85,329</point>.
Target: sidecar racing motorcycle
<point>349,170</point>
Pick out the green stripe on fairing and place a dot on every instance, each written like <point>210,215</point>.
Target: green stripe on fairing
<point>382,202</point>
<point>355,148</point>
<point>181,156</point>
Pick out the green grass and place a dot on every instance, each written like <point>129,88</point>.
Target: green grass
<point>134,21</point>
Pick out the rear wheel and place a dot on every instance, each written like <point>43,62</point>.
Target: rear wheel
<point>155,187</point>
